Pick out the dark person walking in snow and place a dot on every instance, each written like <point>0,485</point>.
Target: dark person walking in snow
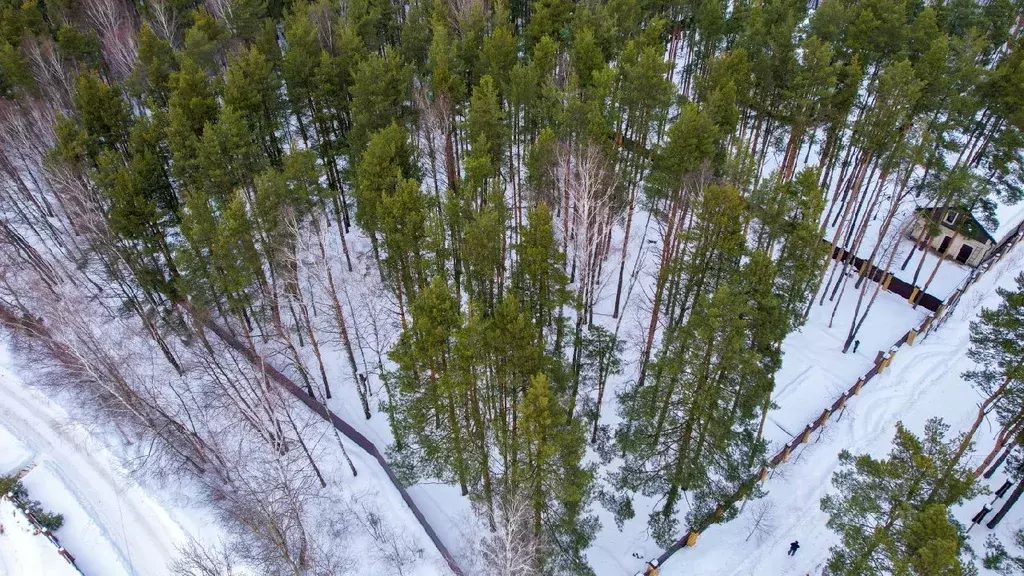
<point>793,546</point>
<point>856,343</point>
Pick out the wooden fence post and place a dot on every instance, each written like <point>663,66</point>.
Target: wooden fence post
<point>913,295</point>
<point>823,419</point>
<point>883,362</point>
<point>840,402</point>
<point>857,386</point>
<point>911,336</point>
<point>691,538</point>
<point>886,281</point>
<point>927,322</point>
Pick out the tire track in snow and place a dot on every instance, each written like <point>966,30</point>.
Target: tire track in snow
<point>887,395</point>
<point>870,419</point>
<point>89,481</point>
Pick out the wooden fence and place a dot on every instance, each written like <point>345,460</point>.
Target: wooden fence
<point>932,322</point>
<point>343,427</point>
<point>22,507</point>
<point>889,281</point>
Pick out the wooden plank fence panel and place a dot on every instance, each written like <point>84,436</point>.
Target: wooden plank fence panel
<point>343,427</point>
<point>889,281</point>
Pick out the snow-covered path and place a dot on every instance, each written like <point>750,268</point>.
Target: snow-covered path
<point>111,525</point>
<point>923,381</point>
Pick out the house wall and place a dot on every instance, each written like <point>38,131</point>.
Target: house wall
<point>980,249</point>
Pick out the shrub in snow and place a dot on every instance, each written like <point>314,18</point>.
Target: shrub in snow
<point>48,520</point>
<point>8,483</point>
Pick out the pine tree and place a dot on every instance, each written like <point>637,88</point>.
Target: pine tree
<point>152,76</point>
<point>996,348</point>
<point>893,514</point>
<point>601,359</point>
<point>103,115</point>
<point>484,262</point>
<point>789,227</point>
<point>484,125</point>
<point>547,18</point>
<point>192,104</point>
<point>381,92</point>
<point>244,18</point>
<point>558,483</point>
<point>538,279</point>
<point>403,229</point>
<point>385,164</point>
<point>253,89</point>
<point>206,42</point>
<point>429,439</point>
<point>299,68</point>
<point>691,144</point>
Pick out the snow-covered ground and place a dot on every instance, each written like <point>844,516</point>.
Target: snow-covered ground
<point>111,525</point>
<point>114,526</point>
<point>22,551</point>
<point>923,381</point>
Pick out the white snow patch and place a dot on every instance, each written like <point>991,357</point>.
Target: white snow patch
<point>22,551</point>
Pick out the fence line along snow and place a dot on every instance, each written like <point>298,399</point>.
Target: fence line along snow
<point>344,427</point>
<point>22,508</point>
<point>932,322</point>
<point>890,282</point>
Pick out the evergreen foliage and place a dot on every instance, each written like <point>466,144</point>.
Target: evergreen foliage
<point>893,514</point>
<point>512,164</point>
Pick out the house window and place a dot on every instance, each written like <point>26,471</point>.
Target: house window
<point>950,217</point>
<point>965,254</point>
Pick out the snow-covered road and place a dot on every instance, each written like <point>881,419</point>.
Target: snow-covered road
<point>111,525</point>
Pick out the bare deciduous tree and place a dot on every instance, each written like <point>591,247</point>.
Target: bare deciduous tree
<point>396,549</point>
<point>512,549</point>
<point>196,558</point>
<point>590,189</point>
<point>165,20</point>
<point>761,521</point>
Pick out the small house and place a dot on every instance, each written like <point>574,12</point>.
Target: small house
<point>960,237</point>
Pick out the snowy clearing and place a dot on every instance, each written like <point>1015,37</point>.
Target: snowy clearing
<point>923,381</point>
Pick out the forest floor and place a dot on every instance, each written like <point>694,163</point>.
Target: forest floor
<point>814,372</point>
<point>115,527</point>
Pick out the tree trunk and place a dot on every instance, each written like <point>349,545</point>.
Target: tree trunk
<point>999,461</point>
<point>625,249</point>
<point>1008,433</point>
<point>983,409</point>
<point>659,289</point>
<point>1007,505</point>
